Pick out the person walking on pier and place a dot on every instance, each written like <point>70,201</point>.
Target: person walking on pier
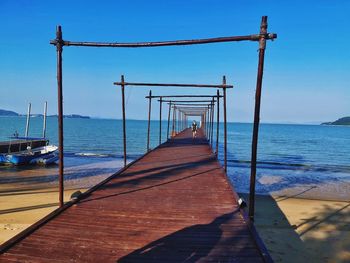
<point>194,129</point>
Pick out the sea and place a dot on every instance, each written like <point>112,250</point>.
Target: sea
<point>311,161</point>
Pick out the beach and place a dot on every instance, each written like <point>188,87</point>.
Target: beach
<point>303,229</point>
<point>312,230</point>
<point>29,194</point>
<point>302,206</point>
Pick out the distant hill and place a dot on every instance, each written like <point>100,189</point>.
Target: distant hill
<point>12,113</point>
<point>341,121</point>
<point>73,116</point>
<point>8,113</point>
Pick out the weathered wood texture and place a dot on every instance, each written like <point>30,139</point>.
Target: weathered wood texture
<point>174,205</point>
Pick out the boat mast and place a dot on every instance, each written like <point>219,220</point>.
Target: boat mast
<point>28,119</point>
<point>44,124</point>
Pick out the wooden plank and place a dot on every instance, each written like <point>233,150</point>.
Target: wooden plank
<point>172,205</point>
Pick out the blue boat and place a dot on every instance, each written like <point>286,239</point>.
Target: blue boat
<point>27,150</point>
<point>41,155</point>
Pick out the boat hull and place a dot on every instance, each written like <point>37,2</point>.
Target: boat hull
<point>42,155</point>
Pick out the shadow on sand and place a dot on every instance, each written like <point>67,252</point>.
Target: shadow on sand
<point>322,233</point>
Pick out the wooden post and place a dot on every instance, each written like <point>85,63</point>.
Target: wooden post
<point>124,124</point>
<point>59,49</point>
<point>225,124</point>
<point>262,46</point>
<point>160,120</point>
<point>149,119</point>
<point>217,121</point>
<point>212,123</point>
<point>169,111</point>
<point>205,124</point>
<point>173,124</point>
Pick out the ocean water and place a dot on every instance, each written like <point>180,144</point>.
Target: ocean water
<point>310,159</point>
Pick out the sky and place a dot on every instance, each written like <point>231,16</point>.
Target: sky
<point>306,77</point>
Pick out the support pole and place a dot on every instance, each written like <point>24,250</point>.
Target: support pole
<point>123,109</point>
<point>217,121</point>
<point>205,124</point>
<point>44,121</point>
<point>169,111</point>
<point>178,121</point>
<point>149,119</point>
<point>262,46</point>
<point>208,125</point>
<point>160,120</point>
<point>173,124</point>
<point>28,119</point>
<point>212,124</point>
<point>225,125</point>
<point>59,49</point>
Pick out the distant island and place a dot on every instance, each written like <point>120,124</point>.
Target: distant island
<point>73,116</point>
<point>341,121</point>
<point>9,113</point>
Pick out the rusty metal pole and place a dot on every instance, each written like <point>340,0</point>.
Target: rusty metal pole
<point>160,120</point>
<point>123,109</point>
<point>208,130</point>
<point>169,111</point>
<point>225,124</point>
<point>173,124</point>
<point>262,46</point>
<point>217,120</point>
<point>175,129</point>
<point>182,121</point>
<point>205,124</point>
<point>149,119</point>
<point>59,49</point>
<point>212,123</point>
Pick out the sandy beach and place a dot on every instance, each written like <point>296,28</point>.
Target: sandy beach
<point>311,230</point>
<point>304,230</point>
<point>27,195</point>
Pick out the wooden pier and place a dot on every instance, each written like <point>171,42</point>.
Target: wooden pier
<point>174,204</point>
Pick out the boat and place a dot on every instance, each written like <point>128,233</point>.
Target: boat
<point>28,150</point>
<point>41,155</point>
<point>17,144</point>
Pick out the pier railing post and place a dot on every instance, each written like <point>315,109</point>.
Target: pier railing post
<point>225,123</point>
<point>212,122</point>
<point>262,46</point>
<point>169,111</point>
<point>173,123</point>
<point>149,119</point>
<point>124,124</point>
<point>59,49</point>
<point>209,122</point>
<point>160,120</point>
<point>217,121</point>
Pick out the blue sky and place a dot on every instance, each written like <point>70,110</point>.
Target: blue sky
<point>306,76</point>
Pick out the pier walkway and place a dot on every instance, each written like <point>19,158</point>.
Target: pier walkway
<point>175,204</point>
